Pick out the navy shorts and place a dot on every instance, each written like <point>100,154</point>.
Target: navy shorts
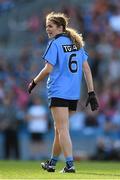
<point>59,102</point>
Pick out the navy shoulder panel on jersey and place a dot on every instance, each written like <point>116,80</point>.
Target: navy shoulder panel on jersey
<point>53,40</point>
<point>48,47</point>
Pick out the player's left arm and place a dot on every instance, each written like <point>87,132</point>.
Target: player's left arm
<point>88,76</point>
<point>91,93</point>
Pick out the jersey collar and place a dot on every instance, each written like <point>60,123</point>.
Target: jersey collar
<point>61,34</point>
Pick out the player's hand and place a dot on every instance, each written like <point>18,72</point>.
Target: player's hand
<point>31,86</point>
<point>92,100</point>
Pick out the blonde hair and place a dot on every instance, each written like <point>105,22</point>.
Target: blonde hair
<point>60,19</point>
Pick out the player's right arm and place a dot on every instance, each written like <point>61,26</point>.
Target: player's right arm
<point>43,73</point>
<point>50,57</point>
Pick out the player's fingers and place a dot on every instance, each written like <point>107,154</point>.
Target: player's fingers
<point>29,88</point>
<point>87,102</point>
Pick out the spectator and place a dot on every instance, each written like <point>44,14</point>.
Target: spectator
<point>37,125</point>
<point>9,127</point>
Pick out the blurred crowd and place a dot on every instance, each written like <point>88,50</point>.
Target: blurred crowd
<point>22,42</point>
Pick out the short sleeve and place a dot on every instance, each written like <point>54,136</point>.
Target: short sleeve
<point>50,54</point>
<point>84,55</point>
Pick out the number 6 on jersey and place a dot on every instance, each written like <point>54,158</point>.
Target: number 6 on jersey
<point>73,66</point>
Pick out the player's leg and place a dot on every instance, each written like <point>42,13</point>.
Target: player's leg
<point>61,119</point>
<point>56,151</point>
<point>56,148</point>
<point>60,116</point>
<point>72,109</point>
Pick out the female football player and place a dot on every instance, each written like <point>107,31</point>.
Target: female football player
<point>65,59</point>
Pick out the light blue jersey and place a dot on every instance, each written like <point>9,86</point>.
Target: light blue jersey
<point>65,79</point>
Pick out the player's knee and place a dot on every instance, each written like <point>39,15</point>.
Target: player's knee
<point>62,129</point>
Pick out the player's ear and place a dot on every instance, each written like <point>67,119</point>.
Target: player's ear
<point>61,28</point>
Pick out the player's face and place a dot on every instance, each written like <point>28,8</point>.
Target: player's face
<point>52,29</point>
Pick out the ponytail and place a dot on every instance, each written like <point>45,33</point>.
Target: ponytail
<point>76,38</point>
<point>61,20</point>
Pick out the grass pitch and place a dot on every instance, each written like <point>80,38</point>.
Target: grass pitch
<point>84,170</point>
